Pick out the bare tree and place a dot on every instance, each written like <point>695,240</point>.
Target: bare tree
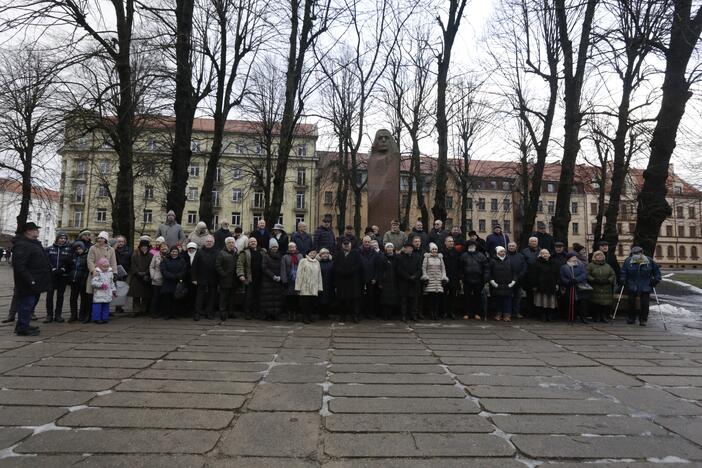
<point>449,29</point>
<point>572,18</point>
<point>653,209</point>
<point>31,120</point>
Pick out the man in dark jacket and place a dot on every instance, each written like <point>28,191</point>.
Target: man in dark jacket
<point>559,254</point>
<point>225,265</point>
<point>519,265</point>
<point>32,275</point>
<point>77,277</point>
<point>221,235</point>
<point>496,239</point>
<point>261,234</point>
<point>545,239</point>
<point>452,261</point>
<point>459,239</point>
<point>480,244</point>
<point>204,276</point>
<point>324,236</point>
<point>503,279</point>
<point>418,231</point>
<point>474,267</point>
<point>60,258</point>
<point>370,265</point>
<point>531,254</point>
<point>408,269</point>
<point>123,255</point>
<point>347,277</point>
<point>438,234</point>
<point>347,235</point>
<point>302,239</point>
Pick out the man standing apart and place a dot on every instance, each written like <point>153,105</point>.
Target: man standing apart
<point>32,274</point>
<point>171,231</point>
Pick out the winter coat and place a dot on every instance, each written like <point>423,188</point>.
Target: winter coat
<point>31,268</point>
<point>502,273</point>
<point>530,256</point>
<point>422,235</point>
<point>172,233</point>
<point>103,286</point>
<point>60,258</point>
<point>288,272</point>
<point>250,265</point>
<point>438,236</point>
<point>124,258</point>
<point>545,276</point>
<point>198,235</point>
<point>220,236</point>
<point>79,269</point>
<point>602,279</point>
<point>328,294</point>
<point>263,239</point>
<point>571,276</point>
<point>271,290</point>
<point>351,238</point>
<point>173,271</point>
<point>397,239</point>
<point>324,239</point>
<point>519,265</point>
<point>225,264</point>
<point>545,240</point>
<point>496,240</point>
<point>559,259</point>
<point>434,273</point>
<point>408,270</point>
<point>203,268</point>
<point>95,253</point>
<point>452,261</point>
<point>387,280</point>
<point>303,241</point>
<point>347,275</point>
<point>283,242</point>
<point>309,278</point>
<point>640,277</point>
<point>369,260</point>
<point>242,243</point>
<point>475,269</point>
<point>155,270</point>
<point>140,275</point>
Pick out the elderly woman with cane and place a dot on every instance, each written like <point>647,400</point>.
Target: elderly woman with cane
<point>640,275</point>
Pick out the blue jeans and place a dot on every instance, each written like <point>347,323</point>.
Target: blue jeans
<point>101,311</point>
<point>516,300</point>
<point>25,309</point>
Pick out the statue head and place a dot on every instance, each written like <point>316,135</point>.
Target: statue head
<point>384,142</point>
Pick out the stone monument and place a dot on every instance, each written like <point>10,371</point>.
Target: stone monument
<point>383,180</point>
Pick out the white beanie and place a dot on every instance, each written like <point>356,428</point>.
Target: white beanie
<point>191,245</point>
<point>104,235</point>
<point>272,243</point>
<point>432,246</point>
<point>390,244</point>
<point>160,240</point>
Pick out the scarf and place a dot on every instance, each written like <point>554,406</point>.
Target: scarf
<point>639,259</point>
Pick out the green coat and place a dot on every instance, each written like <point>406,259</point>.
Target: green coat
<point>601,278</point>
<point>225,264</point>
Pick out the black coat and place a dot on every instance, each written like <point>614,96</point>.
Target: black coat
<point>324,239</point>
<point>271,291</point>
<point>452,260</point>
<point>519,265</point>
<point>438,237</point>
<point>475,269</point>
<point>502,273</point>
<point>408,269</point>
<point>283,242</point>
<point>124,258</point>
<point>387,280</point>
<point>263,239</point>
<point>61,259</point>
<point>173,271</point>
<point>423,236</point>
<point>79,269</point>
<point>31,268</point>
<point>370,260</point>
<point>545,276</point>
<point>220,236</point>
<point>347,275</point>
<point>203,268</point>
<point>327,296</point>
<point>545,240</point>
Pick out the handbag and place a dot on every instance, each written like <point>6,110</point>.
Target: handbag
<point>584,287</point>
<point>181,291</point>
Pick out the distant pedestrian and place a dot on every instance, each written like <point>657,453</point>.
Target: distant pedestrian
<point>324,236</point>
<point>408,270</point>
<point>394,236</point>
<point>347,279</point>
<point>221,235</point>
<point>272,299</point>
<point>199,234</point>
<point>288,274</point>
<point>249,269</point>
<point>544,283</point>
<point>497,239</point>
<point>225,265</point>
<point>204,276</point>
<point>327,297</point>
<point>503,278</point>
<point>157,279</point>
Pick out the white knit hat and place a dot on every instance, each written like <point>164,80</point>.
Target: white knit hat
<point>433,246</point>
<point>272,243</point>
<point>191,245</point>
<point>104,235</point>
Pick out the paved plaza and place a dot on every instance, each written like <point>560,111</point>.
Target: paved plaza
<point>156,393</point>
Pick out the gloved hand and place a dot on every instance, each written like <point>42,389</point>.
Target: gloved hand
<point>104,286</point>
<point>511,284</point>
<point>493,284</point>
<point>276,278</point>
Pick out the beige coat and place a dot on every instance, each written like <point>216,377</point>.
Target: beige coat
<point>94,254</point>
<point>308,281</point>
<point>155,270</point>
<point>434,273</point>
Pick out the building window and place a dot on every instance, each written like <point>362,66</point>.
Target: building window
<point>507,226</point>
<point>300,201</point>
<point>659,251</point>
<point>79,193</point>
<point>632,228</point>
<point>691,212</point>
<point>576,229</point>
<point>481,225</point>
<point>192,217</point>
<point>236,173</point>
<point>449,203</point>
<point>593,208</point>
<point>506,204</point>
<point>551,206</point>
<point>670,251</point>
<point>101,215</point>
<point>493,223</point>
<point>574,207</point>
<point>678,190</point>
<point>218,177</point>
<point>683,252</point>
<point>149,169</point>
<point>302,151</point>
<point>329,198</point>
<point>195,146</point>
<point>104,167</point>
<point>299,218</point>
<point>148,192</point>
<point>280,218</point>
<point>619,228</point>
<point>192,193</point>
<point>258,200</point>
<point>594,227</point>
<point>236,195</point>
<point>481,204</point>
<point>693,252</point>
<point>78,218</point>
<point>624,208</point>
<point>669,231</point>
<point>80,168</point>
<point>541,206</point>
<point>301,177</point>
<point>236,218</point>
<point>620,250</point>
<point>215,200</point>
<point>469,204</point>
<point>256,217</point>
<point>403,200</point>
<point>693,231</point>
<point>681,231</point>
<point>679,211</point>
<point>469,224</point>
<point>194,170</point>
<point>103,191</point>
<point>148,216</point>
<point>151,144</point>
<point>493,204</point>
<point>493,185</point>
<point>550,187</point>
<point>506,187</point>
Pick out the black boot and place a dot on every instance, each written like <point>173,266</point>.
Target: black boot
<point>59,319</point>
<point>8,319</point>
<point>196,317</point>
<point>48,319</point>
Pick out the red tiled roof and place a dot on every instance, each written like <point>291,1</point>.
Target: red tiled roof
<point>13,186</point>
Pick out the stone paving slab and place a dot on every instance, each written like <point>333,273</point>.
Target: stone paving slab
<point>29,415</point>
<point>425,463</point>
<point>58,383</point>
<point>402,405</point>
<point>552,406</point>
<point>90,362</point>
<point>184,386</point>
<point>687,427</point>
<point>416,391</point>
<point>9,436</point>
<point>654,401</point>
<point>407,423</point>
<point>211,366</point>
<point>391,379</point>
<point>147,418</point>
<point>287,397</point>
<point>304,373</point>
<point>576,425</point>
<point>204,375</point>
<point>79,372</point>
<point>273,435</point>
<point>261,462</point>
<point>385,368</point>
<point>169,400</point>
<point>44,397</point>
<point>548,392</point>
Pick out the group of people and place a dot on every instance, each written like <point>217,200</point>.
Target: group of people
<point>269,274</point>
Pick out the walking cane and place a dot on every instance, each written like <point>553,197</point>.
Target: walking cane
<point>617,307</point>
<point>660,311</point>
<point>571,306</point>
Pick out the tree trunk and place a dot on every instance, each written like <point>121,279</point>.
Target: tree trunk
<point>464,196</point>
<point>184,108</point>
<point>408,204</point>
<point>26,191</point>
<point>206,208</point>
<point>600,206</point>
<point>417,166</point>
<point>653,208</point>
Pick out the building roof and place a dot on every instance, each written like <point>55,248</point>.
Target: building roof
<point>204,124</point>
<point>13,186</point>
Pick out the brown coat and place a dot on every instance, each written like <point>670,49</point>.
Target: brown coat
<point>94,254</point>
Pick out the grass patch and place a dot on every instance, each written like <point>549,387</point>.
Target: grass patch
<point>694,280</point>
